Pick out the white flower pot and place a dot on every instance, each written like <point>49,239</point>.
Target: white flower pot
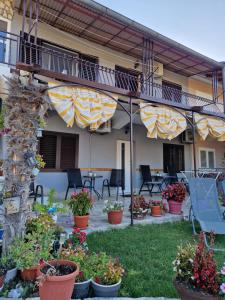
<point>10,275</point>
<point>101,290</point>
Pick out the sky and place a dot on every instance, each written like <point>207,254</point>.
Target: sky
<point>198,24</point>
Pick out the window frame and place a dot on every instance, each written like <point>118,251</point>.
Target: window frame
<point>7,45</point>
<point>58,149</point>
<point>207,150</point>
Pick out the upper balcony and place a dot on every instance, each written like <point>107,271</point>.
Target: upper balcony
<point>63,64</point>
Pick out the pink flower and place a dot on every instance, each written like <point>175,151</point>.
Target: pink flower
<point>74,195</point>
<point>223,271</point>
<point>76,230</point>
<point>41,262</point>
<point>85,190</point>
<point>222,288</point>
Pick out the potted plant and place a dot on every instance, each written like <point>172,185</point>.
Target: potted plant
<point>140,207</point>
<point>76,240</point>
<point>156,208</point>
<point>80,204</point>
<point>107,275</point>
<point>83,279</point>
<point>51,208</point>
<point>10,266</point>
<point>175,195</point>
<point>27,252</point>
<point>2,275</point>
<point>56,279</point>
<point>114,209</point>
<point>196,272</point>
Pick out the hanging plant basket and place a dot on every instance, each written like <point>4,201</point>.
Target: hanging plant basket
<point>12,205</point>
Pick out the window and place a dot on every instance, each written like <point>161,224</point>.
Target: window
<point>126,79</point>
<point>171,91</point>
<point>87,68</point>
<point>173,156</point>
<point>3,34</point>
<point>207,158</point>
<point>59,150</point>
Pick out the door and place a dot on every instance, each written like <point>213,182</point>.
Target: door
<point>173,156</point>
<point>123,162</point>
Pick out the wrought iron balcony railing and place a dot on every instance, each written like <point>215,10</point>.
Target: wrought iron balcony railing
<point>14,49</point>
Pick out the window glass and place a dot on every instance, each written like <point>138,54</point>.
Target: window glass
<point>203,159</point>
<point>3,28</point>
<point>211,159</point>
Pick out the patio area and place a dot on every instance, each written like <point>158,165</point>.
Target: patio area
<point>99,222</point>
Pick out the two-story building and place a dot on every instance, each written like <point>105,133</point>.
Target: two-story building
<point>82,42</point>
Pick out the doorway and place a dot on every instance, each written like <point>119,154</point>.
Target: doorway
<point>123,162</point>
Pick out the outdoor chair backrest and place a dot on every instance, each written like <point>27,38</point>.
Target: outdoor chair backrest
<point>172,172</point>
<point>117,178</point>
<point>74,177</point>
<point>146,173</point>
<point>204,199</point>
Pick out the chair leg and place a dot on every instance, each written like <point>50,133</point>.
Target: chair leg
<point>141,188</point>
<point>117,193</point>
<point>150,189</point>
<point>123,193</point>
<point>67,192</point>
<point>109,191</point>
<point>103,190</point>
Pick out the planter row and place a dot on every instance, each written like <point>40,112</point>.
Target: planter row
<point>62,287</point>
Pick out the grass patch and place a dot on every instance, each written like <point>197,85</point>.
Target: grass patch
<point>147,252</point>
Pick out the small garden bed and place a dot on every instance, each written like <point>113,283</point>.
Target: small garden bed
<point>146,253</point>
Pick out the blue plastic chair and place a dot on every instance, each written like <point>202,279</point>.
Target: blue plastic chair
<point>205,208</point>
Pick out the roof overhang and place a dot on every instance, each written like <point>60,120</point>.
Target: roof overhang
<point>95,22</point>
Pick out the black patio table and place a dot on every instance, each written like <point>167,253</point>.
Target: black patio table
<point>92,187</point>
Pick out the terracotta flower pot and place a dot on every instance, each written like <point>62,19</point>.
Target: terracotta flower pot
<point>156,211</point>
<point>2,278</point>
<point>175,207</point>
<point>81,221</point>
<point>115,216</point>
<point>186,293</point>
<point>58,287</point>
<point>29,274</point>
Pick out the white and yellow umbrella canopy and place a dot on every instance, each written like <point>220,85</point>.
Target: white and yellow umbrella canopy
<point>210,126</point>
<point>162,121</point>
<point>85,106</point>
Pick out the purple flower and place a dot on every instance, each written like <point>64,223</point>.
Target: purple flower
<point>222,287</point>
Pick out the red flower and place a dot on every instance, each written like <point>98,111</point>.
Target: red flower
<point>97,280</point>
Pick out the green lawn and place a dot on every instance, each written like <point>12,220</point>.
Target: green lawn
<point>147,253</point>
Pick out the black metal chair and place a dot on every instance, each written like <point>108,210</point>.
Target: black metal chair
<point>116,180</point>
<point>171,175</point>
<point>147,180</point>
<point>34,192</point>
<point>75,180</point>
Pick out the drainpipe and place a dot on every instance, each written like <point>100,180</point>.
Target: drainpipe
<point>223,86</point>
